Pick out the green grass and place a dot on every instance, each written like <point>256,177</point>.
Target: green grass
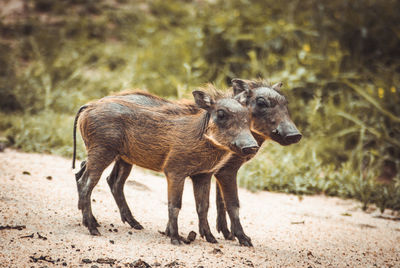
<point>46,132</point>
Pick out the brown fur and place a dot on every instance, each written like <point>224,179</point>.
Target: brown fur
<point>263,124</point>
<point>161,138</point>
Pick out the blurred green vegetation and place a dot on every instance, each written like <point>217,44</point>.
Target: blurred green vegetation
<point>339,61</point>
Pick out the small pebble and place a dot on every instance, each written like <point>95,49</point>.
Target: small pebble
<point>86,261</point>
<point>216,251</point>
<point>191,236</point>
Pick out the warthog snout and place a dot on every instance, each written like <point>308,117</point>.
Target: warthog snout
<point>287,133</point>
<point>246,144</point>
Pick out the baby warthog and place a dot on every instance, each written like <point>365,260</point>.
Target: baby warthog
<point>269,120</point>
<point>181,140</point>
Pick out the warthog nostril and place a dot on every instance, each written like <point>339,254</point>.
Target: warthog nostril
<point>250,150</point>
<point>293,138</point>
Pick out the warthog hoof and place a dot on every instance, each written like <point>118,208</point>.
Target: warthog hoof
<point>137,226</point>
<point>227,234</point>
<point>176,240</point>
<point>208,235</point>
<point>94,231</point>
<point>244,240</point>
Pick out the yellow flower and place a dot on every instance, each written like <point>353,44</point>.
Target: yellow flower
<point>393,89</point>
<point>306,47</point>
<point>381,92</point>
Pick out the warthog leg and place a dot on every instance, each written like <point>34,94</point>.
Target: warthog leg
<point>175,190</point>
<point>228,185</point>
<point>222,226</point>
<point>95,165</point>
<point>80,172</point>
<point>201,189</point>
<point>116,181</point>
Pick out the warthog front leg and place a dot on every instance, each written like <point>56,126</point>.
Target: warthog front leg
<point>175,190</point>
<point>228,185</point>
<point>116,181</point>
<point>201,189</point>
<point>222,225</point>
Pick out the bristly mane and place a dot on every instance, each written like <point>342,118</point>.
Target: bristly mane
<point>142,93</point>
<point>255,83</point>
<point>182,107</point>
<point>163,105</point>
<point>259,82</point>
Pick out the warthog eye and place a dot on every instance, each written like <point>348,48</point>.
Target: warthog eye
<point>265,103</point>
<point>262,103</point>
<point>221,114</point>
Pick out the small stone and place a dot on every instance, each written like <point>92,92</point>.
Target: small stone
<point>139,264</point>
<point>112,241</point>
<point>191,236</point>
<point>173,264</point>
<point>216,251</point>
<point>86,261</point>
<point>106,261</point>
<point>49,178</point>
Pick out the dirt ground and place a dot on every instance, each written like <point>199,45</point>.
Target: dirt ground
<point>38,193</point>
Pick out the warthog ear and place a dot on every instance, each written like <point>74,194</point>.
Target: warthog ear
<point>239,85</point>
<point>203,100</point>
<point>241,90</point>
<point>242,97</point>
<point>277,86</point>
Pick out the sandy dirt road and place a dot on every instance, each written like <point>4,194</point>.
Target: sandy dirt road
<point>286,232</point>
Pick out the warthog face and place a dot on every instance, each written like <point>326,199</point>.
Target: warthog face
<point>269,112</point>
<point>229,124</point>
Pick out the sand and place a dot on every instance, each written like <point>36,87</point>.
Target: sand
<point>38,193</point>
